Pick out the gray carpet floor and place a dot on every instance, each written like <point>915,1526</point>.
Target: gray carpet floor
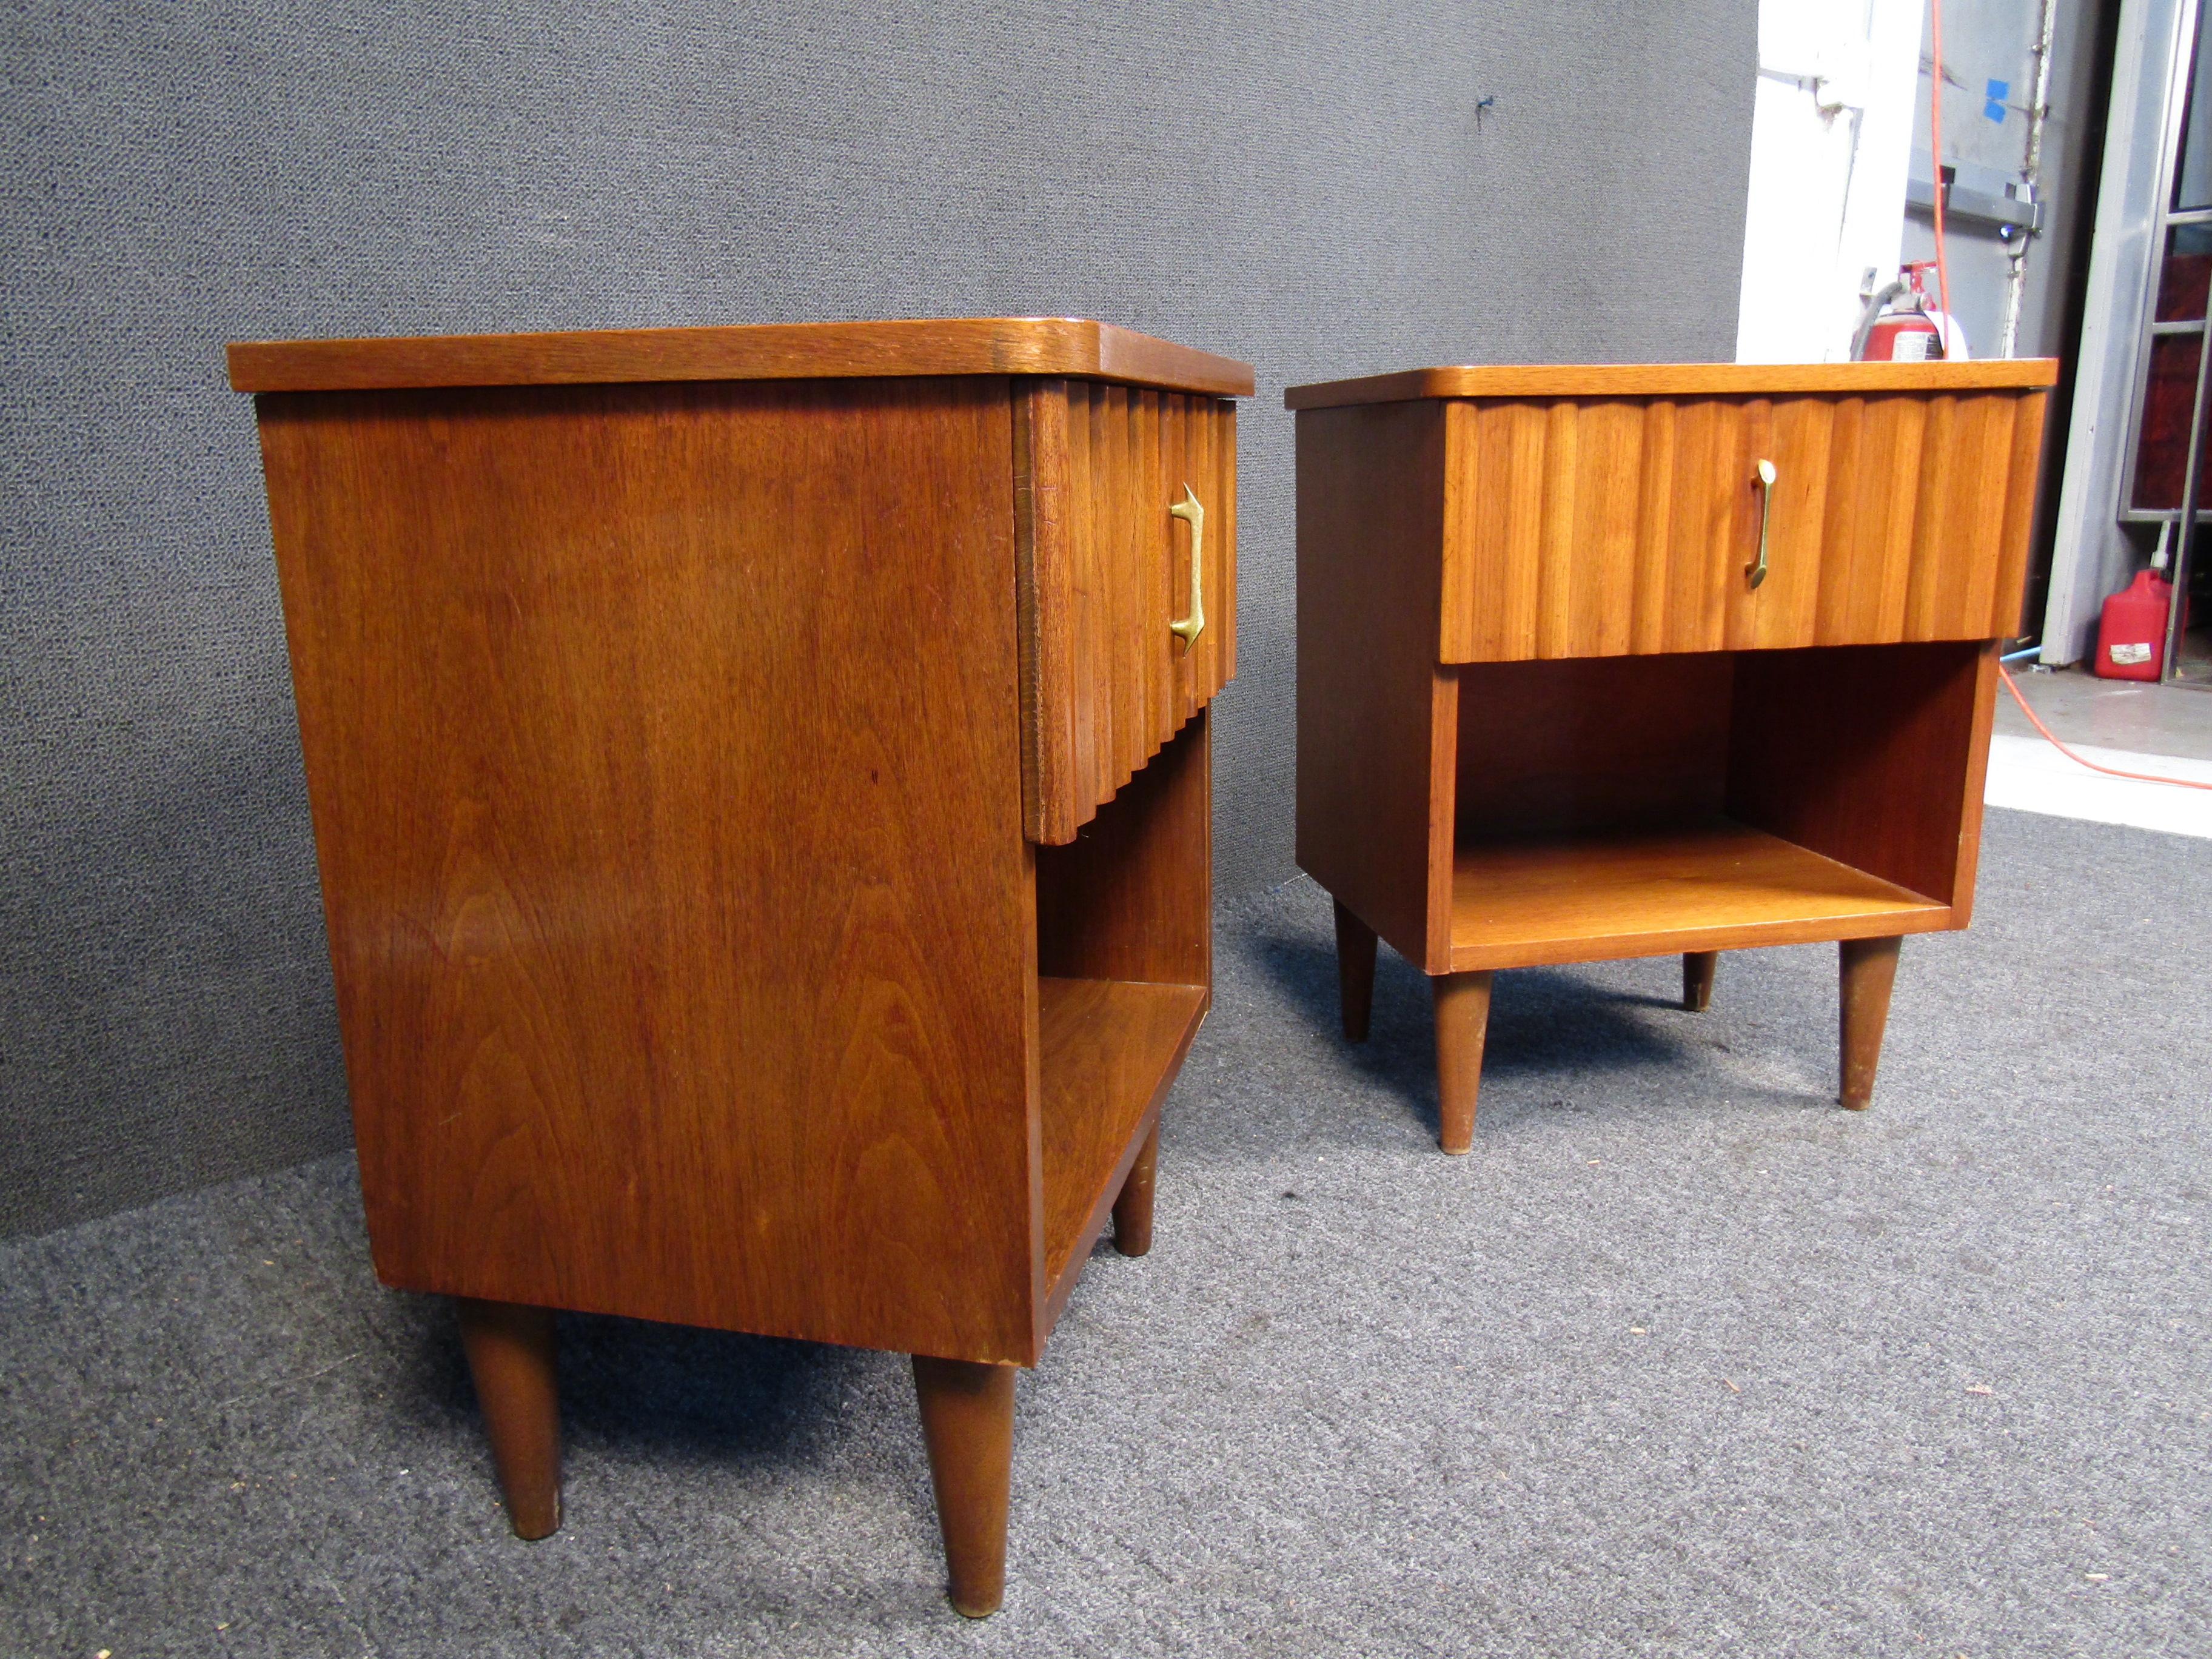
<point>1683,1360</point>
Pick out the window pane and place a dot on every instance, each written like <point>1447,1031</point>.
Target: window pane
<point>2182,282</point>
<point>2192,179</point>
<point>2162,446</point>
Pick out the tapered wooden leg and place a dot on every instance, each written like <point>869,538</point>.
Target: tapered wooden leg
<point>1133,1210</point>
<point>1462,1019</point>
<point>511,1357</point>
<point>1869,969</point>
<point>968,1419</point>
<point>1355,971</point>
<point>1698,967</point>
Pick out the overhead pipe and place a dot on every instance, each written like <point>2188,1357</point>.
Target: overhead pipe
<point>2039,114</point>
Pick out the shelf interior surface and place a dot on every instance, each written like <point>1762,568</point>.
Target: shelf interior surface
<point>1107,1050</point>
<point>1707,883</point>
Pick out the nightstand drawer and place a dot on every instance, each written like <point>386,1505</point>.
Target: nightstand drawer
<point>1126,527</point>
<point>1602,526</point>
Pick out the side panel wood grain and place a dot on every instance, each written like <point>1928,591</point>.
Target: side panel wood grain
<point>1595,527</point>
<point>1377,715</point>
<point>664,748</point>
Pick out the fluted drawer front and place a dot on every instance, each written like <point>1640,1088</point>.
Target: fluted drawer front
<point>1106,573</point>
<point>1603,526</point>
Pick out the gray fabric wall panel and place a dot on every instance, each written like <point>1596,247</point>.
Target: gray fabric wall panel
<point>1305,186</point>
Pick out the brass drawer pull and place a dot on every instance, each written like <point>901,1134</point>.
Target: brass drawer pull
<point>1766,475</point>
<point>1188,630</point>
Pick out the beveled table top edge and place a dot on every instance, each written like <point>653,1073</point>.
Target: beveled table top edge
<point>1071,346</point>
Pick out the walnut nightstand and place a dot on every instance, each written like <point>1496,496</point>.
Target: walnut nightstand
<point>1626,661</point>
<point>760,779</point>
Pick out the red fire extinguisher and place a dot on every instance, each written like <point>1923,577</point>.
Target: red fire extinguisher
<point>1914,332</point>
<point>2131,632</point>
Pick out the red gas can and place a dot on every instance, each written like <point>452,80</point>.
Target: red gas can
<point>2131,635</point>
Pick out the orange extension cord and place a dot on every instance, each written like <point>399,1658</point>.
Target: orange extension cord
<point>2109,771</point>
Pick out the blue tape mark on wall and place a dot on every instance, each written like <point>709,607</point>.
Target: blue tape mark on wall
<point>1995,92</point>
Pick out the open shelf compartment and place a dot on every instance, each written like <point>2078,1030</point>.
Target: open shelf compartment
<point>1640,806</point>
<point>1124,979</point>
<point>1712,885</point>
<point>1109,1048</point>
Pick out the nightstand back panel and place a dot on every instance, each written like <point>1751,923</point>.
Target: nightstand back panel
<point>1107,571</point>
<point>662,746</point>
<point>1131,896</point>
<point>1588,527</point>
<point>1591,743</point>
<point>1378,714</point>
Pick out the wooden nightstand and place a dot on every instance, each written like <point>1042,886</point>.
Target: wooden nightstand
<point>1622,661</point>
<point>760,780</point>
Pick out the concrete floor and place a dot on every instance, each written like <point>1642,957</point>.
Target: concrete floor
<point>2130,715</point>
